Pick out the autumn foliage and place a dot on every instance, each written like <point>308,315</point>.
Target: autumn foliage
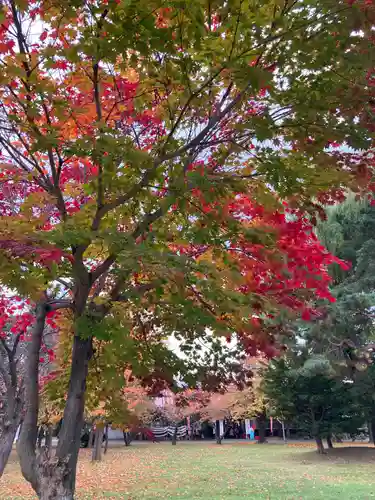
<point>161,167</point>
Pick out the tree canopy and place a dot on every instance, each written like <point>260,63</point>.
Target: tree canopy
<point>146,152</point>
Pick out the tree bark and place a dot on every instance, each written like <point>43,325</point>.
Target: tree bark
<point>329,441</point>
<point>53,478</point>
<point>127,438</point>
<point>69,440</point>
<point>48,438</point>
<point>283,429</point>
<point>91,438</point>
<point>319,445</point>
<point>372,430</point>
<point>29,432</point>
<point>13,404</point>
<point>97,450</point>
<point>370,434</point>
<point>174,437</point>
<point>106,440</point>
<point>40,437</point>
<point>6,444</point>
<point>261,421</point>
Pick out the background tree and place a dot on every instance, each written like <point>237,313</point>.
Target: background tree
<point>308,391</point>
<point>344,331</point>
<point>128,130</point>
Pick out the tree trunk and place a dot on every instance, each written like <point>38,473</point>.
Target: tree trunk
<point>283,429</point>
<point>370,434</point>
<point>29,432</point>
<point>91,438</point>
<point>174,437</point>
<point>70,434</point>
<point>127,438</point>
<point>319,445</point>
<point>372,430</point>
<point>106,440</point>
<point>329,441</point>
<point>40,437</point>
<point>6,444</point>
<point>54,479</point>
<point>287,431</point>
<point>261,421</point>
<point>97,450</point>
<point>48,438</point>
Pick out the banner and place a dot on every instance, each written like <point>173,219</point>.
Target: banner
<point>169,431</point>
<point>247,427</point>
<point>221,428</point>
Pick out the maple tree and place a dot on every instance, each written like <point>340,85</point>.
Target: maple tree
<point>136,173</point>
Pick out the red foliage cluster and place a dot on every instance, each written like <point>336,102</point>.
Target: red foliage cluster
<point>17,318</point>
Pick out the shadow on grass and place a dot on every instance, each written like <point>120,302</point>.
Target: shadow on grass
<point>342,454</point>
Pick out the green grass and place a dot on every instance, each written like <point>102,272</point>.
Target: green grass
<point>208,471</point>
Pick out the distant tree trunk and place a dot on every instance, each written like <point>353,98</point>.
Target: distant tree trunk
<point>48,440</point>
<point>372,430</point>
<point>40,436</point>
<point>91,438</point>
<point>262,421</point>
<point>329,441</point>
<point>319,445</point>
<point>283,429</point>
<point>287,431</point>
<point>217,432</point>
<point>174,437</point>
<point>370,433</point>
<point>127,438</point>
<point>97,450</point>
<point>106,440</point>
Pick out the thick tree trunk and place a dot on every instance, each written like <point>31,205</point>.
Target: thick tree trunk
<point>70,435</point>
<point>53,478</point>
<point>261,421</point>
<point>106,440</point>
<point>174,437</point>
<point>6,444</point>
<point>319,445</point>
<point>97,450</point>
<point>329,441</point>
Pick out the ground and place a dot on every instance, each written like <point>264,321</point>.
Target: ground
<point>209,471</point>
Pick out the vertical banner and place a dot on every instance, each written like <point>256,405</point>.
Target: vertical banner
<point>221,427</point>
<point>271,425</point>
<point>188,426</point>
<point>17,434</point>
<point>247,428</point>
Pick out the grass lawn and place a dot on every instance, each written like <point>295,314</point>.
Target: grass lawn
<point>208,471</point>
